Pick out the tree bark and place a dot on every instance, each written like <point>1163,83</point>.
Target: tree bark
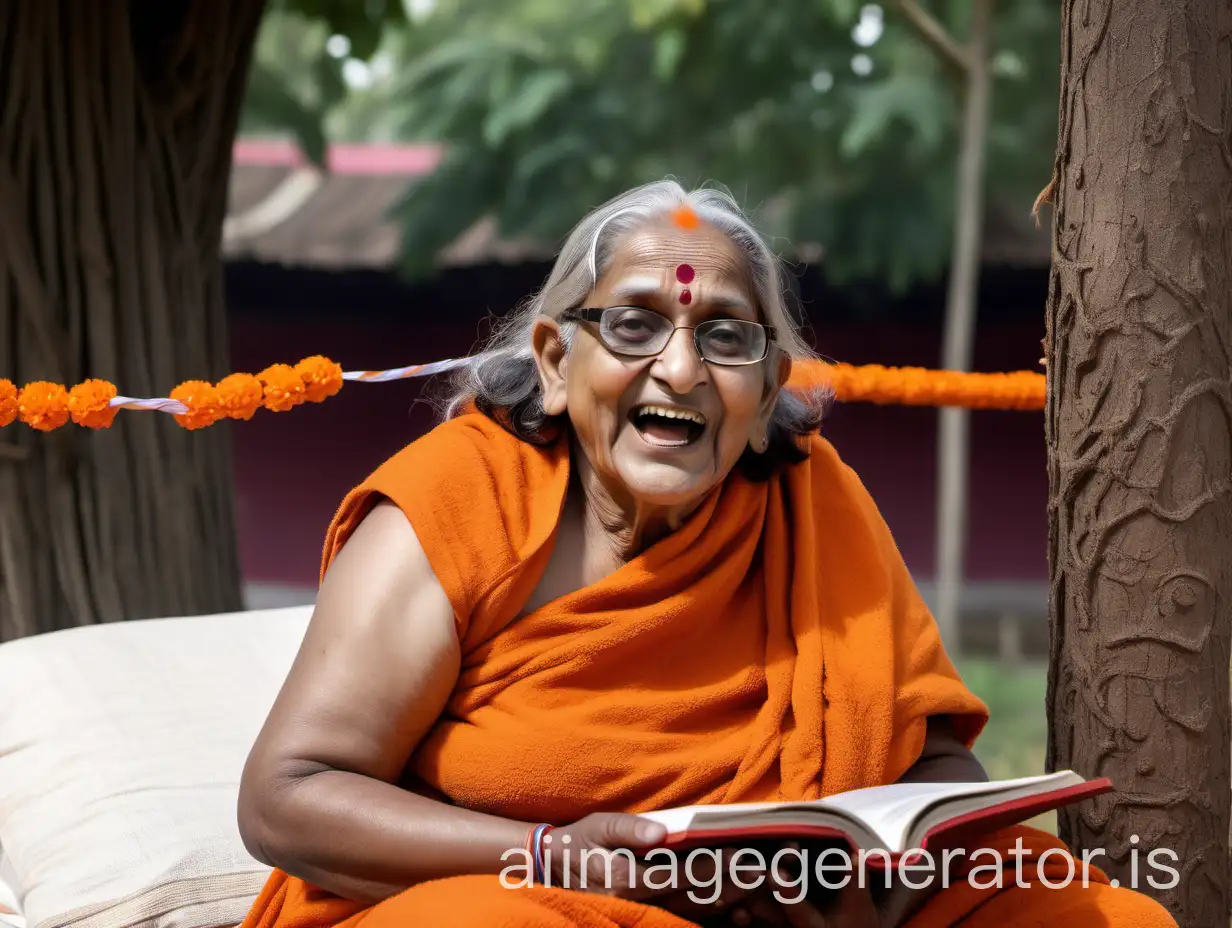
<point>1139,432</point>
<point>116,127</point>
<point>960,320</point>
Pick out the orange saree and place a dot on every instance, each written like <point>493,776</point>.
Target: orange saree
<point>774,647</point>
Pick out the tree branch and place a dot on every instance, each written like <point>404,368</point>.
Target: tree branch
<point>953,56</point>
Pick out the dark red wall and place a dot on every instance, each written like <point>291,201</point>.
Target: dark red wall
<point>293,468</point>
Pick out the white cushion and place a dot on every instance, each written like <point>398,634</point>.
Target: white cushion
<point>8,895</point>
<point>121,748</point>
<point>10,910</point>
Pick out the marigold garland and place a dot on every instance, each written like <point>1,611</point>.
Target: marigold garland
<point>8,402</point>
<point>917,386</point>
<point>43,405</point>
<point>322,378</point>
<point>201,400</point>
<point>284,388</point>
<point>89,404</point>
<point>240,396</point>
<point>197,404</point>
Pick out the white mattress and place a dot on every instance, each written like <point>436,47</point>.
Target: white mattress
<point>121,751</point>
<point>9,903</point>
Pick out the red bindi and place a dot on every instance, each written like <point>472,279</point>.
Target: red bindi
<point>686,297</point>
<point>684,273</point>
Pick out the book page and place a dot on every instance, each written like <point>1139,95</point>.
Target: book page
<point>892,811</point>
<point>889,812</point>
<point>678,819</point>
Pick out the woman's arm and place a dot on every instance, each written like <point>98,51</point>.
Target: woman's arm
<point>375,669</point>
<point>944,759</point>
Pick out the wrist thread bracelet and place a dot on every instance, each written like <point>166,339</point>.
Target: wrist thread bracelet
<point>528,848</point>
<point>537,836</point>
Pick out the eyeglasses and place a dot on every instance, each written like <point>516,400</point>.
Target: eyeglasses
<point>642,333</point>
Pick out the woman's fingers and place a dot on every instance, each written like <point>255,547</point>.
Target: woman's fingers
<point>707,884</point>
<point>789,871</point>
<point>856,909</point>
<point>760,909</point>
<point>763,909</point>
<point>803,915</point>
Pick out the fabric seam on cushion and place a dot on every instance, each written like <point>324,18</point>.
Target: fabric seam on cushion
<point>135,908</point>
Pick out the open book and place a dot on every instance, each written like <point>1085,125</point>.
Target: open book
<point>894,819</point>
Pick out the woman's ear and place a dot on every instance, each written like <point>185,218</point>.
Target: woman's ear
<point>775,382</point>
<point>550,353</point>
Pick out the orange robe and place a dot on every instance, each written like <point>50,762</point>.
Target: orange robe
<point>774,647</point>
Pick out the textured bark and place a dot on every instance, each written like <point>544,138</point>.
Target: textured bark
<point>116,127</point>
<point>1139,430</point>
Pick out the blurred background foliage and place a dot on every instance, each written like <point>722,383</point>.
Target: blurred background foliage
<point>831,120</point>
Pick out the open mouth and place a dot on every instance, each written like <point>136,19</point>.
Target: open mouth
<point>667,426</point>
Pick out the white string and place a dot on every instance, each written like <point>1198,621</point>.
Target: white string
<point>158,404</point>
<point>401,373</point>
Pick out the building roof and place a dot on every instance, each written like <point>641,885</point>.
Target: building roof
<point>283,210</point>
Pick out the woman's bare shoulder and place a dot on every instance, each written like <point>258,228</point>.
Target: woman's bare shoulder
<point>374,669</point>
<point>383,572</point>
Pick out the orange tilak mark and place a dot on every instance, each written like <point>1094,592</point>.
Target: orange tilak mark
<point>686,218</point>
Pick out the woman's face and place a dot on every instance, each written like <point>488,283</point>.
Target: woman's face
<point>617,404</point>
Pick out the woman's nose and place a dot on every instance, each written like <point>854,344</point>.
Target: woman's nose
<point>679,365</point>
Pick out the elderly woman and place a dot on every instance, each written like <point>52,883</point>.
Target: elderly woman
<point>624,574</point>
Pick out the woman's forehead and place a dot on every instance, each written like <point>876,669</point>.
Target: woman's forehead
<point>661,249</point>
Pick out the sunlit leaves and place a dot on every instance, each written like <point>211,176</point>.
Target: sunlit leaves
<point>363,22</point>
<point>296,79</point>
<point>548,108</point>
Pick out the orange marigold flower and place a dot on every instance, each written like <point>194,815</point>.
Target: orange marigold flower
<point>284,388</point>
<point>322,377</point>
<point>89,403</point>
<point>43,405</point>
<point>8,402</point>
<point>239,396</point>
<point>201,399</point>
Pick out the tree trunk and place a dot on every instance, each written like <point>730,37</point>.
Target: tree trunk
<point>116,127</point>
<point>960,320</point>
<point>1139,431</point>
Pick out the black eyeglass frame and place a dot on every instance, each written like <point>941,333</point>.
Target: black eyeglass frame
<point>595,314</point>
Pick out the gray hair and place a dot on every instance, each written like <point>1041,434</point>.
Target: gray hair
<point>502,380</point>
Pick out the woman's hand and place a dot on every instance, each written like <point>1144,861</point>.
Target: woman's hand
<point>612,854</point>
<point>766,888</point>
<point>713,882</point>
<point>852,907</point>
<point>602,853</point>
<point>615,854</point>
<point>787,901</point>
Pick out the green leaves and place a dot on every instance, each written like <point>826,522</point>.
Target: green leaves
<point>272,102</point>
<point>922,105</point>
<point>668,48</point>
<point>293,99</point>
<point>524,105</point>
<point>548,108</point>
<point>296,83</point>
<point>649,14</point>
<point>363,22</point>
